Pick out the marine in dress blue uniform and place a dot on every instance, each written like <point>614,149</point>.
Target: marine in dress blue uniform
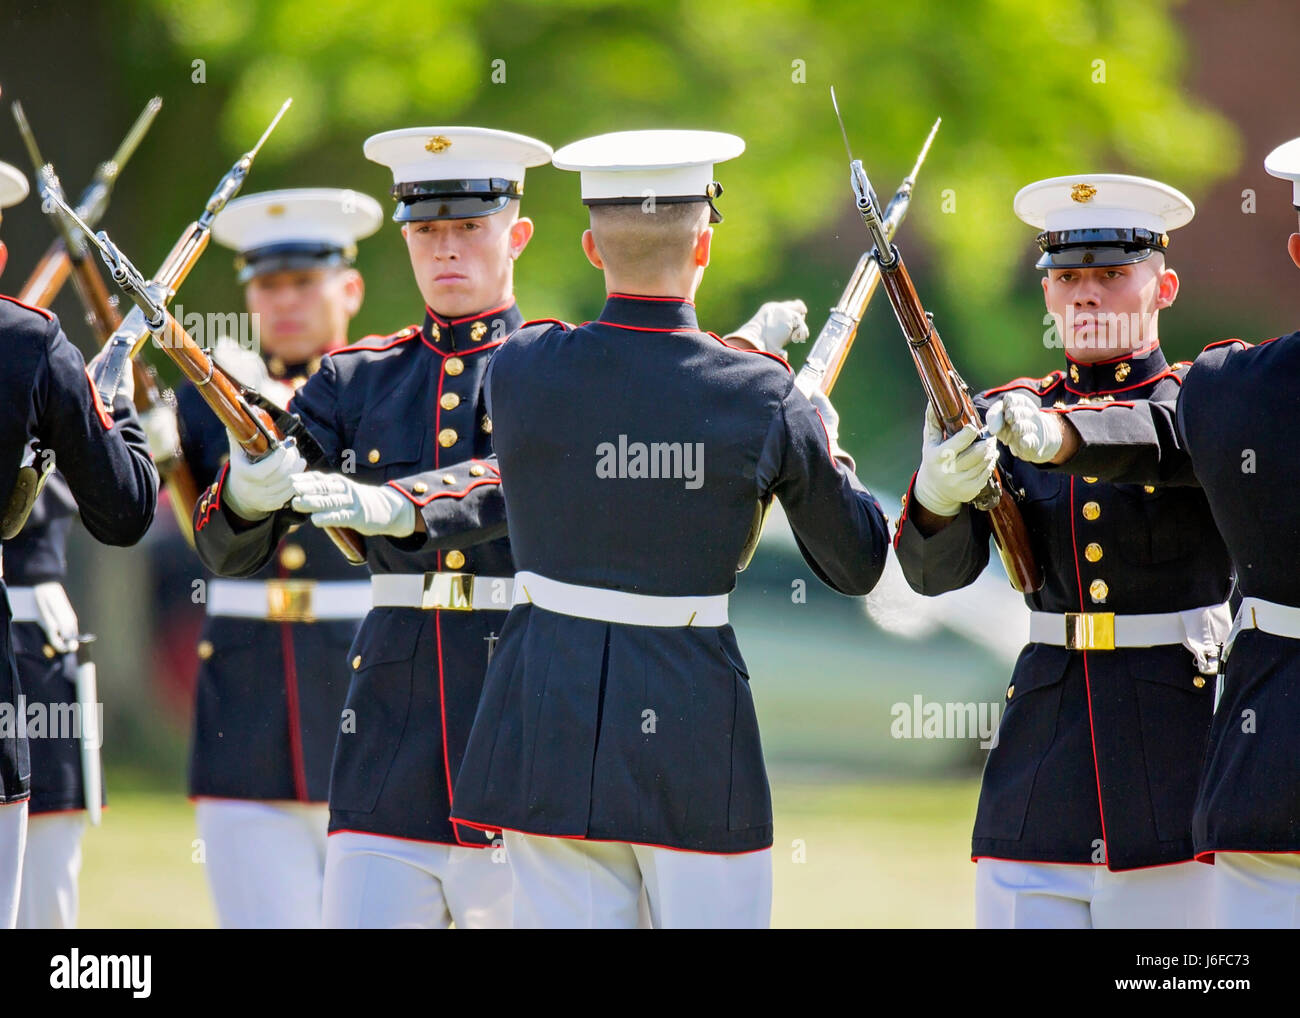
<point>1226,430</point>
<point>48,407</point>
<point>45,637</point>
<point>402,419</point>
<point>1085,809</point>
<point>273,669</point>
<point>616,742</point>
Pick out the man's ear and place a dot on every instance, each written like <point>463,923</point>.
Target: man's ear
<point>703,246</point>
<point>589,249</point>
<point>1168,291</point>
<point>4,256</point>
<point>1293,246</point>
<point>521,232</point>
<point>354,292</point>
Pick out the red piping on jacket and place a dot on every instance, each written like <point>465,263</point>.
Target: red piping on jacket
<point>1128,354</point>
<point>662,300</point>
<point>104,419</point>
<point>1087,681</point>
<point>1044,862</point>
<point>605,841</point>
<point>1029,383</point>
<point>49,315</point>
<point>417,841</point>
<point>214,503</point>
<point>403,336</point>
<point>1171,373</point>
<point>907,504</point>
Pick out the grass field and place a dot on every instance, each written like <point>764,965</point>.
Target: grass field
<point>879,854</point>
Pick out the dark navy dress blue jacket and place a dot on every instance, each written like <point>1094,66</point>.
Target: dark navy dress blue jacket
<point>560,745</point>
<point>39,555</point>
<point>1229,430</point>
<point>46,397</point>
<point>405,409</point>
<point>1098,752</point>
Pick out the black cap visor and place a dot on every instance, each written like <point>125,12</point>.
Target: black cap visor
<point>1087,249</point>
<point>289,257</point>
<point>424,200</point>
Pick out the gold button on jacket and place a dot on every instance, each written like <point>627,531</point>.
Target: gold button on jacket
<point>449,401</point>
<point>293,557</point>
<point>453,365</point>
<point>455,559</point>
<point>1091,510</point>
<point>447,437</point>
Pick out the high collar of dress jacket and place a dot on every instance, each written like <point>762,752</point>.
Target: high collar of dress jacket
<point>289,371</point>
<point>1115,374</point>
<point>460,335</point>
<point>649,314</point>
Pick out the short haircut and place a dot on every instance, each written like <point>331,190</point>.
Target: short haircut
<point>646,239</point>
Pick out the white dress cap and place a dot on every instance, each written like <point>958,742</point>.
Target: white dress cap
<point>13,185</point>
<point>454,172</point>
<point>1284,162</point>
<point>627,167</point>
<point>305,227</point>
<point>1101,218</point>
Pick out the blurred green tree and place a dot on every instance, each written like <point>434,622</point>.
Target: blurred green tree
<point>1026,90</point>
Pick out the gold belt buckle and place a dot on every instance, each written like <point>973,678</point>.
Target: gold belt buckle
<point>290,600</point>
<point>448,592</point>
<point>1090,630</point>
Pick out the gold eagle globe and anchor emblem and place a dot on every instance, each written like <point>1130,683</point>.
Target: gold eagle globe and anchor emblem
<point>438,143</point>
<point>1082,193</point>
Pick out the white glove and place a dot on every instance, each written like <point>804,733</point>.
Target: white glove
<point>127,385</point>
<point>831,418</point>
<point>776,323</point>
<point>953,470</point>
<point>1023,426</point>
<point>159,424</point>
<point>57,619</point>
<point>255,490</point>
<point>335,501</point>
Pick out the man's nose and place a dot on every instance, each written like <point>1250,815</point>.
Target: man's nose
<point>1087,294</point>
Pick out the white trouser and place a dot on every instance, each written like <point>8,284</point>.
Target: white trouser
<point>13,836</point>
<point>265,861</point>
<point>1256,891</point>
<point>1043,896</point>
<point>51,866</point>
<point>376,882</point>
<point>574,884</point>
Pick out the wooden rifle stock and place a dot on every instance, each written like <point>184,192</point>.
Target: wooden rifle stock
<point>104,319</point>
<point>952,403</point>
<point>252,428</point>
<point>47,279</point>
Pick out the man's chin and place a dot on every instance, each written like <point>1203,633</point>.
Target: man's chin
<point>453,299</point>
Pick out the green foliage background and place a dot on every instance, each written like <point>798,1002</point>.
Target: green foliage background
<point>1015,81</point>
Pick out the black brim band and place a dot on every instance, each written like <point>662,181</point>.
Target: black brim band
<point>658,199</point>
<point>420,201</point>
<point>290,257</point>
<point>422,210</point>
<point>1091,257</point>
<point>1077,249</point>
